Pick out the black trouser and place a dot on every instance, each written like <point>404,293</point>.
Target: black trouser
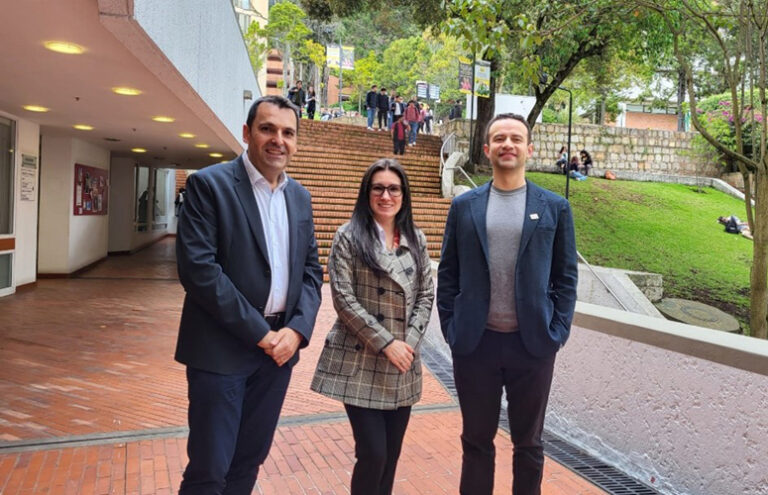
<point>383,117</point>
<point>378,439</point>
<point>399,146</point>
<point>232,420</point>
<point>501,362</point>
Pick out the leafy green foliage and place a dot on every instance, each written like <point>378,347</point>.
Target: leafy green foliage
<point>716,114</point>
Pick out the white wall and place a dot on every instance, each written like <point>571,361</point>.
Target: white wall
<point>57,175</point>
<point>213,60</point>
<point>25,257</point>
<point>121,203</point>
<point>68,242</point>
<point>696,426</point>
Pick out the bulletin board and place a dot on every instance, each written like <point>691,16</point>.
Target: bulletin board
<point>91,190</point>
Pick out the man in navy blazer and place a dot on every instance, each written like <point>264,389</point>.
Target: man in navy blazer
<point>247,259</point>
<point>506,295</point>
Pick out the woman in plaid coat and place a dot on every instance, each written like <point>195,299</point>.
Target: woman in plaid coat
<point>381,283</point>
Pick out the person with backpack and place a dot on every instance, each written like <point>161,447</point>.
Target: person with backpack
<point>400,130</point>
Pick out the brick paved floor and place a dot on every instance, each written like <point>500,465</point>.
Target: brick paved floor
<point>92,356</point>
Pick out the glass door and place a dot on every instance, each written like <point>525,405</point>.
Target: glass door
<point>7,241</point>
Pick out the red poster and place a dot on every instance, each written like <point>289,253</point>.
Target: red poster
<point>91,190</point>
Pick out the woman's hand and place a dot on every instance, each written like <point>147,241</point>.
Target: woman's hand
<point>400,355</point>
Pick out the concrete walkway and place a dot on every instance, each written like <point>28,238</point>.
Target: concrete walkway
<point>91,401</point>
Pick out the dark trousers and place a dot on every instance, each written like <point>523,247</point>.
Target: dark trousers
<point>383,116</point>
<point>501,362</point>
<point>378,438</point>
<point>399,146</point>
<point>232,421</point>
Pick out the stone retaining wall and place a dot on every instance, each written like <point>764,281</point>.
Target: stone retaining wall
<point>612,148</point>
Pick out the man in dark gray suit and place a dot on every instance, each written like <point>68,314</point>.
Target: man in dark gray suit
<point>247,259</point>
<point>506,294</point>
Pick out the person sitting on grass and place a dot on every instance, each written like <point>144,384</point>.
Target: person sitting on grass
<point>574,169</point>
<point>733,225</point>
<point>562,160</point>
<point>586,161</point>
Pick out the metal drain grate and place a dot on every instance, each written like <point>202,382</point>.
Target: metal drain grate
<point>597,472</point>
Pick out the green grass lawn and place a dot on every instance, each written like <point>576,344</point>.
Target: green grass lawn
<point>662,228</point>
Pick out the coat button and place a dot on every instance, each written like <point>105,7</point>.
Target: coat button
<point>409,271</point>
<point>400,251</point>
<point>358,347</point>
<point>380,317</point>
<point>381,290</point>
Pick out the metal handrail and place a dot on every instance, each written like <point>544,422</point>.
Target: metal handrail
<point>584,260</point>
<point>449,144</point>
<point>466,175</point>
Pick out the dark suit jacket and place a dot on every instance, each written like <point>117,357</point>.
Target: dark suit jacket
<point>223,266</point>
<point>545,275</point>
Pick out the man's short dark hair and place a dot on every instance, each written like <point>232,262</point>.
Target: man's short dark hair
<point>383,89</point>
<point>373,86</point>
<point>278,101</point>
<point>505,116</point>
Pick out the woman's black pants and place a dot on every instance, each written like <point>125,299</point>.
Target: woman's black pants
<point>378,439</point>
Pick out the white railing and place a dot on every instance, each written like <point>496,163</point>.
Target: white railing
<point>448,147</point>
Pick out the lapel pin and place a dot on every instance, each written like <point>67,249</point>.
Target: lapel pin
<point>534,216</point>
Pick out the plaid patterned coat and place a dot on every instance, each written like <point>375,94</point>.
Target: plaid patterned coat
<point>372,311</point>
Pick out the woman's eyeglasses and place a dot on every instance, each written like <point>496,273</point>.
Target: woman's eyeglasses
<point>394,190</point>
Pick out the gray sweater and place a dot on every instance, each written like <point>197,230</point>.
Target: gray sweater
<point>504,225</point>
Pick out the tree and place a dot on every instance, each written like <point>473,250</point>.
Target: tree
<point>402,64</point>
<point>362,77</point>
<point>739,29</point>
<point>286,32</point>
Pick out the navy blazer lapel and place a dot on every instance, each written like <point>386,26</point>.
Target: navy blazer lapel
<point>291,203</point>
<point>479,207</point>
<point>244,192</point>
<point>534,207</point>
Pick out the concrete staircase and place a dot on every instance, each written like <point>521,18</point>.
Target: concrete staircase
<point>331,160</point>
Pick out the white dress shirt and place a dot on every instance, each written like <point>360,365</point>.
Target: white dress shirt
<point>274,219</point>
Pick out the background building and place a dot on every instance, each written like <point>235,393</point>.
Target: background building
<point>101,102</point>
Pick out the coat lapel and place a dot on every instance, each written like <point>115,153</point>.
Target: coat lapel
<point>291,203</point>
<point>534,208</point>
<point>391,263</point>
<point>479,207</point>
<point>244,192</point>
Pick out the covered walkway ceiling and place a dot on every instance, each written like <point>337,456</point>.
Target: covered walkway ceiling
<point>78,89</point>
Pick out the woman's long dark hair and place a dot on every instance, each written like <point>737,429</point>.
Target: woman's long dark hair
<point>363,226</point>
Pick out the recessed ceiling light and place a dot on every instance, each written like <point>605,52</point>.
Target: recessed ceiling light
<point>35,108</point>
<point>163,119</point>
<point>215,155</point>
<point>186,135</point>
<point>202,146</point>
<point>64,47</point>
<point>126,91</point>
<point>138,150</point>
<point>83,127</point>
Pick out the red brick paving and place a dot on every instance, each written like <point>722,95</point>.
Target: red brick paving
<point>94,355</point>
<point>307,459</point>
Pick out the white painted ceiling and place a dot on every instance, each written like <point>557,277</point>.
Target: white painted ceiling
<point>78,88</point>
